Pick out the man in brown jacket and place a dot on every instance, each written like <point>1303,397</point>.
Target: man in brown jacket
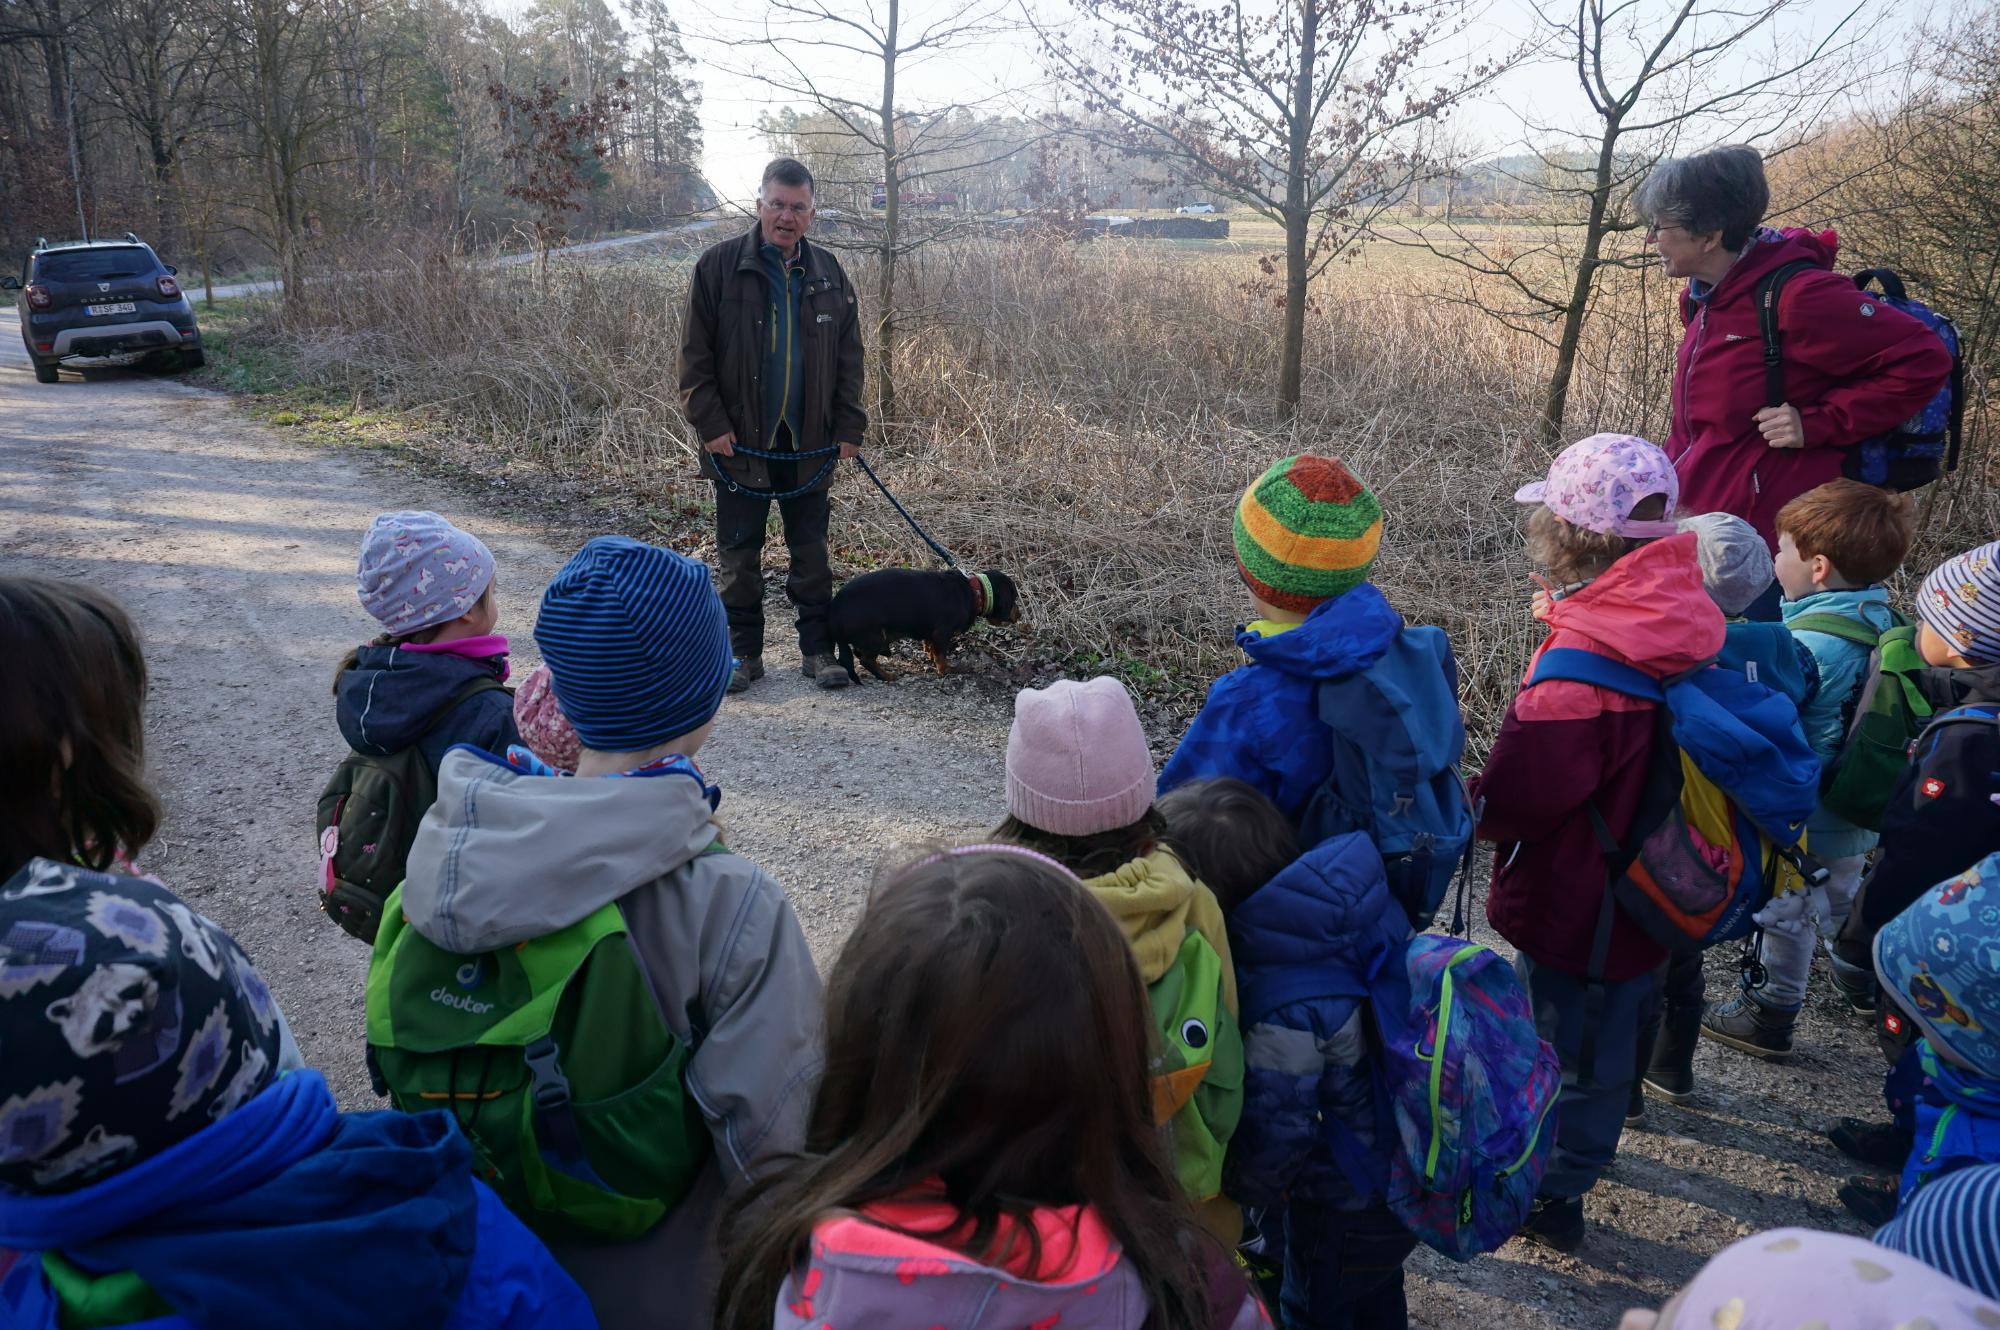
<point>771,360</point>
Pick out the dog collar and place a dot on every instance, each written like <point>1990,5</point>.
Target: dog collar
<point>982,594</point>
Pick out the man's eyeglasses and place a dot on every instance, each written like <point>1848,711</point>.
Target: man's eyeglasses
<point>795,209</point>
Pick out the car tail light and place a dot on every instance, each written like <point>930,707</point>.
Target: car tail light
<point>168,286</point>
<point>45,346</point>
<point>38,296</point>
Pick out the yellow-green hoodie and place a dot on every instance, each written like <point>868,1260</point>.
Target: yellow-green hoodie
<point>1155,902</point>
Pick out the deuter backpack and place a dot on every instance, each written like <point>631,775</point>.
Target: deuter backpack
<point>1921,449</point>
<point>1730,782</point>
<point>367,820</point>
<point>1397,738</point>
<point>1470,1090</point>
<point>1887,712</point>
<point>554,1058</point>
<point>1197,1065</point>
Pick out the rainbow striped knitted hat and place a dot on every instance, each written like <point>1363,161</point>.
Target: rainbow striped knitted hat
<point>1306,531</point>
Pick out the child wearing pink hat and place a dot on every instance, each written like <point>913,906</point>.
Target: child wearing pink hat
<point>1568,769</point>
<point>1080,787</point>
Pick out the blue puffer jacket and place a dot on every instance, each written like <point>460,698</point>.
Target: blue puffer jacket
<point>1306,944</point>
<point>1842,668</point>
<point>388,699</point>
<point>1958,1123</point>
<point>1261,721</point>
<point>289,1213</point>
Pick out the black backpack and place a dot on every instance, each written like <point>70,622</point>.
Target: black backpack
<point>367,821</point>
<point>1921,449</point>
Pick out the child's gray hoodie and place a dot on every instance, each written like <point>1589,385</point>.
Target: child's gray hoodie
<point>504,856</point>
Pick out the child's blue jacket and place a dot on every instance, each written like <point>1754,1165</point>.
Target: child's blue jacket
<point>288,1212</point>
<point>1261,722</point>
<point>1306,944</point>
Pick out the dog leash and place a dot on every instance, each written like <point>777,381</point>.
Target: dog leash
<point>832,456</point>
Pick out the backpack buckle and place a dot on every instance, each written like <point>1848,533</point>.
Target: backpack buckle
<point>550,1088</point>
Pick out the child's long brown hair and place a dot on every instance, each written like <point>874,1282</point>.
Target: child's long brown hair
<point>985,1027</point>
<point>72,735</point>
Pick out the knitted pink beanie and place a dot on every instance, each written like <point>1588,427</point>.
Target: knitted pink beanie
<point>544,729</point>
<point>1077,762</point>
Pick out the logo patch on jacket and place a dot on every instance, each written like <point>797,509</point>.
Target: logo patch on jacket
<point>1932,787</point>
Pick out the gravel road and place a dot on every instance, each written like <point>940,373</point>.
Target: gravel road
<point>233,545</point>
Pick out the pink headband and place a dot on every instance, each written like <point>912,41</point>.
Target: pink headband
<point>993,847</point>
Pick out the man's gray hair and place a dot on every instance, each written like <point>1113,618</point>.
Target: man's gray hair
<point>1722,189</point>
<point>787,171</point>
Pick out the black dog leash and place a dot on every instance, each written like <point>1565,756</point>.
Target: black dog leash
<point>832,456</point>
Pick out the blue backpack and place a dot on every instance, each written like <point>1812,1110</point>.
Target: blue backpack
<point>1397,738</point>
<point>1471,1092</point>
<point>1730,782</point>
<point>1922,448</point>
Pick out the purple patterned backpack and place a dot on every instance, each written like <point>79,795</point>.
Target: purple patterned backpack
<point>1471,1094</point>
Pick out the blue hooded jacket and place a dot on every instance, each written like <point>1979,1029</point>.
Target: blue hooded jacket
<point>1306,944</point>
<point>387,700</point>
<point>1958,1123</point>
<point>289,1213</point>
<point>1261,720</point>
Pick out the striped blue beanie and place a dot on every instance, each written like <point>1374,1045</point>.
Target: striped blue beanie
<point>1960,600</point>
<point>636,644</point>
<point>1950,1226</point>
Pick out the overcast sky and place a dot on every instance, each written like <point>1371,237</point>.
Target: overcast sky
<point>737,79</point>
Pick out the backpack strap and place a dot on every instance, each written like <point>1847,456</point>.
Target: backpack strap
<point>1576,665</point>
<point>1886,278</point>
<point>1768,292</point>
<point>1977,714</point>
<point>1837,625</point>
<point>485,683</point>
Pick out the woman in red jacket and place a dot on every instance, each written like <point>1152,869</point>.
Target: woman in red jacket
<point>1854,367</point>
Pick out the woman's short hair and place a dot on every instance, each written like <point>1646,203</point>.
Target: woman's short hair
<point>1722,189</point>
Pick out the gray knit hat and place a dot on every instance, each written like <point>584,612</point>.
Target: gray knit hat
<point>1736,565</point>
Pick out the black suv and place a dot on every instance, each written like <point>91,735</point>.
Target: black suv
<point>92,299</point>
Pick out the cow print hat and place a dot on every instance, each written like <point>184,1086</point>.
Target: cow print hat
<point>127,1023</point>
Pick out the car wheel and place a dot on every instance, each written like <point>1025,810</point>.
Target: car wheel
<point>193,359</point>
<point>45,371</point>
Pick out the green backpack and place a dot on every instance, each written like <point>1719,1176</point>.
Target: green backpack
<point>1889,711</point>
<point>555,1060</point>
<point>1197,1066</point>
<point>367,820</point>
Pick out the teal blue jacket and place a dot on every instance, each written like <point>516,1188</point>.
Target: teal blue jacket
<point>1843,667</point>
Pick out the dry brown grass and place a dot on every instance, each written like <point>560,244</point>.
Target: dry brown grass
<point>1081,416</point>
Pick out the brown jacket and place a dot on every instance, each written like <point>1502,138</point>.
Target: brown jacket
<point>729,301</point>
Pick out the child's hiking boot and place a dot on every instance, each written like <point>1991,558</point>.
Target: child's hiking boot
<point>1670,1074</point>
<point>1882,1144</point>
<point>749,670</point>
<point>1853,982</point>
<point>1871,1200</point>
<point>1745,1024</point>
<point>1555,1222</point>
<point>1635,1104</point>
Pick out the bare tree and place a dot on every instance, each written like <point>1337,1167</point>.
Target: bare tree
<point>1655,73</point>
<point>1313,113</point>
<point>900,139</point>
<point>281,67</point>
<point>154,62</point>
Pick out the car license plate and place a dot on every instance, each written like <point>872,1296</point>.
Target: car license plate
<point>122,307</point>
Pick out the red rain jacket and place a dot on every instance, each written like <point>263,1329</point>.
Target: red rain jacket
<point>1854,367</point>
<point>1564,745</point>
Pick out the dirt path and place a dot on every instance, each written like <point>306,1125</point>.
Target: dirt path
<point>233,545</point>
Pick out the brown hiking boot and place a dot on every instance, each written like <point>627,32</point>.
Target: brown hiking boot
<point>825,670</point>
<point>748,671</point>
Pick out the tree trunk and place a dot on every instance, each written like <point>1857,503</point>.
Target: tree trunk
<point>1298,217</point>
<point>1555,403</point>
<point>892,189</point>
